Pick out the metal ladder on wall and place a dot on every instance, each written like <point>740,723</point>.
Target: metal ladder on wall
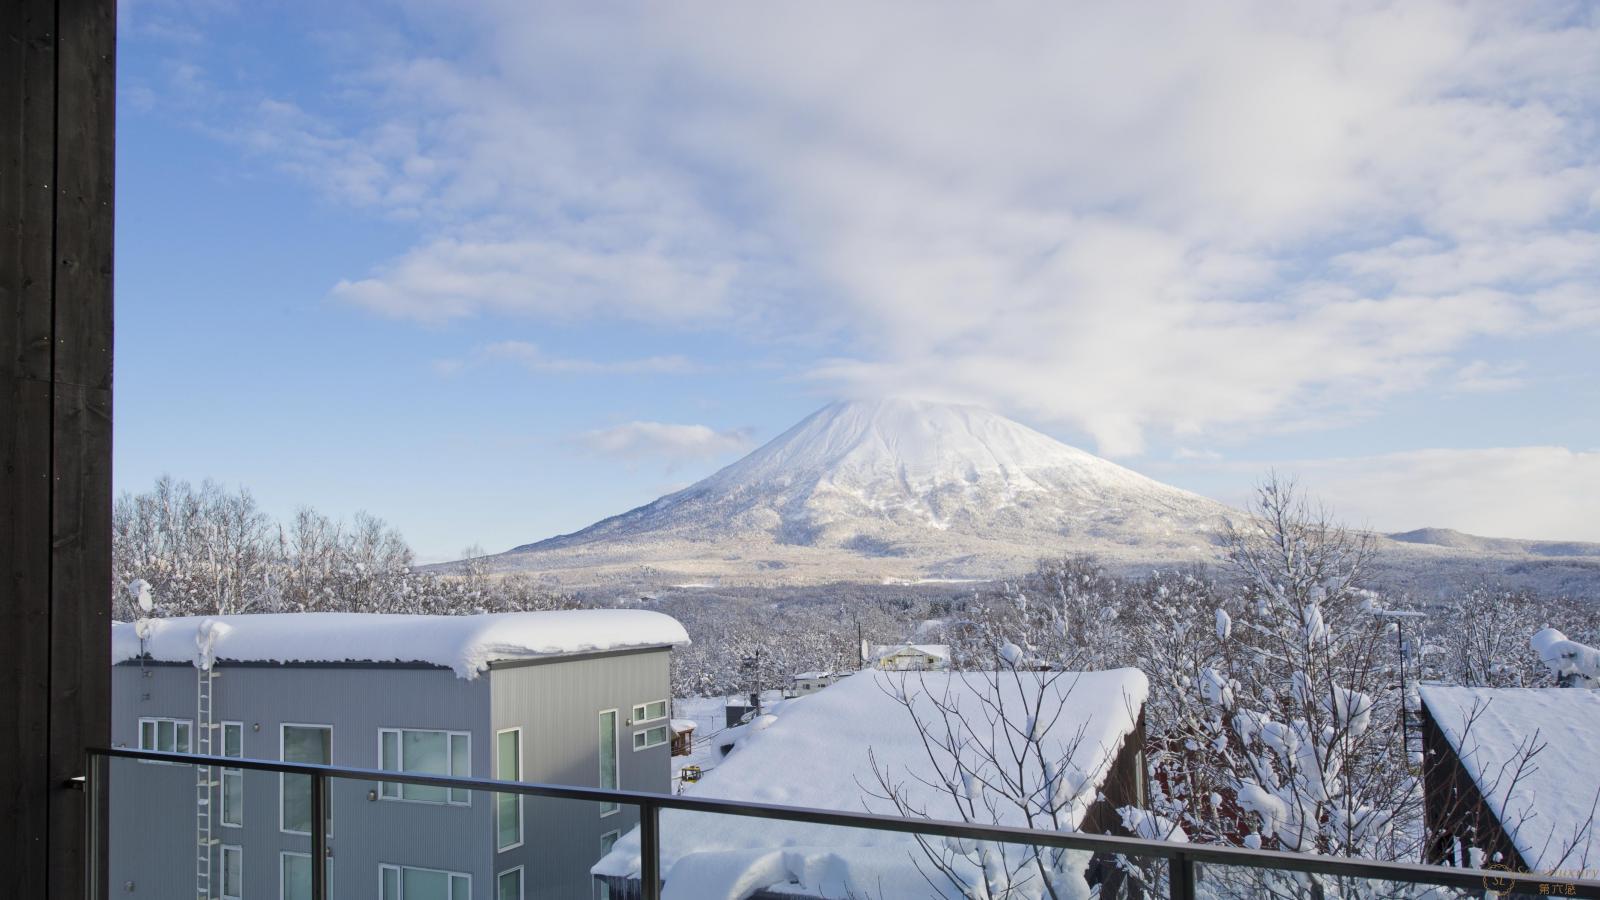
<point>205,785</point>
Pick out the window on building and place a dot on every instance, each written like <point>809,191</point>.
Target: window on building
<point>608,757</point>
<point>649,712</point>
<point>296,876</point>
<point>607,841</point>
<point>508,807</point>
<point>407,883</point>
<point>508,886</point>
<point>425,753</point>
<point>650,737</point>
<point>232,872</point>
<point>233,779</point>
<point>165,735</point>
<point>301,744</point>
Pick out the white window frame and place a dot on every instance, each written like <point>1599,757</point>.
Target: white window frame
<point>520,828</point>
<point>400,870</point>
<point>449,743</point>
<point>156,721</point>
<point>604,890</point>
<point>283,728</point>
<point>640,711</point>
<point>222,892</point>
<point>522,882</point>
<point>222,798</point>
<point>611,809</point>
<point>283,883</point>
<point>666,738</point>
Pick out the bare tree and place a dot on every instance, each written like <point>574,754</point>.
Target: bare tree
<point>1000,747</point>
<point>1456,831</point>
<point>206,551</point>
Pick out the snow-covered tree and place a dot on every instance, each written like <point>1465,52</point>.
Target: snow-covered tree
<point>1065,614</point>
<point>1306,705</point>
<point>205,551</point>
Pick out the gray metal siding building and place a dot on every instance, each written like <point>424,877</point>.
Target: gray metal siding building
<point>554,706</point>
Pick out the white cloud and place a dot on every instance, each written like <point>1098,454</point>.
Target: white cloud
<point>1480,376</point>
<point>1127,218</point>
<point>450,279</point>
<point>670,443</point>
<point>536,360</point>
<point>1542,493</point>
<point>1548,493</point>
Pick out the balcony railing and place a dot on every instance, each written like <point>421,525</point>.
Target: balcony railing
<point>1185,864</point>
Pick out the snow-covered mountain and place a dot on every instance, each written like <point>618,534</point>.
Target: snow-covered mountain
<point>891,489</point>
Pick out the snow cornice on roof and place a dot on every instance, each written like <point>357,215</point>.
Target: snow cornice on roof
<point>465,644</point>
<point>1546,808</point>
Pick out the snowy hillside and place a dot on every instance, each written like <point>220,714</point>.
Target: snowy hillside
<point>1449,537</point>
<point>892,489</point>
<point>905,492</point>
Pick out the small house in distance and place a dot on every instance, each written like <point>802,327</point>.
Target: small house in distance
<point>1510,777</point>
<point>577,697</point>
<point>905,657</point>
<point>810,682</point>
<point>826,751</point>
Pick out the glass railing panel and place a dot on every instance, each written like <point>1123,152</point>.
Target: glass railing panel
<point>1224,882</point>
<point>176,830</point>
<point>718,855</point>
<point>172,829</point>
<point>383,842</point>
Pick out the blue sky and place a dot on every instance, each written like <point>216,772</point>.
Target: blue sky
<point>493,273</point>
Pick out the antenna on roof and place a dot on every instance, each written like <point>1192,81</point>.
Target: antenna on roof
<point>144,599</point>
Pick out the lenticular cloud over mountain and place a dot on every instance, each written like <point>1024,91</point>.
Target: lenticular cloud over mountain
<point>892,489</point>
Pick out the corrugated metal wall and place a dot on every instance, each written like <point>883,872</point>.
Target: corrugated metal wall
<point>558,705</point>
<point>152,835</point>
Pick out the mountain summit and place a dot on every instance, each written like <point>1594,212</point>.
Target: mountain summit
<point>891,489</point>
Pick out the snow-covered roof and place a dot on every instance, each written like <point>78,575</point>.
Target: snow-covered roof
<point>466,644</point>
<point>1546,809</point>
<point>814,753</point>
<point>812,676</point>
<point>940,651</point>
<point>682,725</point>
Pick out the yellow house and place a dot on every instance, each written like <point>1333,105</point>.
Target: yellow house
<point>907,657</point>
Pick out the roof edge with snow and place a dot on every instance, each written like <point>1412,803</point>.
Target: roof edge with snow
<point>468,645</point>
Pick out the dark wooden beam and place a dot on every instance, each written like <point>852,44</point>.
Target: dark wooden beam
<point>57,118</point>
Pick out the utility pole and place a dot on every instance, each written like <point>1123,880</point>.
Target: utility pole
<point>753,664</point>
<point>1405,649</point>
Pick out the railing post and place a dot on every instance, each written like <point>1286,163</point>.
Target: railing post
<point>94,846</point>
<point>1180,877</point>
<point>649,851</point>
<point>319,836</point>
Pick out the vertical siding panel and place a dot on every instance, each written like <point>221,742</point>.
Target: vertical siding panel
<point>153,811</point>
<point>557,704</point>
<point>56,154</point>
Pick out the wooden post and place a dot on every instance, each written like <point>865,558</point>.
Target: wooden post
<point>57,117</point>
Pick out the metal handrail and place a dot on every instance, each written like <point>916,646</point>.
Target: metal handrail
<point>1181,857</point>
